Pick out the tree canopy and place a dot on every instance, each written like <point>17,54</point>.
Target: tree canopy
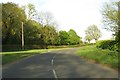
<point>12,16</point>
<point>64,37</point>
<point>88,38</point>
<point>39,29</point>
<point>110,16</point>
<point>111,19</point>
<point>93,32</point>
<point>73,37</point>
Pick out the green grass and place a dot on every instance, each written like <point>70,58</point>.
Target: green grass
<point>101,56</point>
<point>8,57</point>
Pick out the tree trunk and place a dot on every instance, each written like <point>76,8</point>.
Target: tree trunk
<point>95,40</point>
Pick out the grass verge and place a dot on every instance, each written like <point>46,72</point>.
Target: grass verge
<point>101,56</point>
<point>8,57</point>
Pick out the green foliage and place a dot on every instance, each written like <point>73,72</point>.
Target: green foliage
<point>8,57</point>
<point>107,44</point>
<point>35,33</point>
<point>38,29</point>
<point>88,38</point>
<point>69,38</point>
<point>101,56</point>
<point>64,37</point>
<point>12,18</point>
<point>118,40</point>
<point>111,18</point>
<point>32,32</point>
<point>92,32</point>
<point>31,11</point>
<point>57,40</point>
<point>73,37</point>
<point>49,34</point>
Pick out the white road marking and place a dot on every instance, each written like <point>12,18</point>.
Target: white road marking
<point>53,68</point>
<point>55,74</point>
<point>52,61</point>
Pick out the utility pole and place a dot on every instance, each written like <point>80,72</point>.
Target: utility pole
<point>22,37</point>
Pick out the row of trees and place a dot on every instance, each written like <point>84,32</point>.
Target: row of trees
<point>39,28</point>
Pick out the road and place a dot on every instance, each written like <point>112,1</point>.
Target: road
<point>57,64</point>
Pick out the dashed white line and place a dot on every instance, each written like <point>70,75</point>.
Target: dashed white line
<point>55,74</point>
<point>52,61</point>
<point>53,68</point>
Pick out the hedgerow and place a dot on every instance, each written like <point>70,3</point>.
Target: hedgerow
<point>107,44</point>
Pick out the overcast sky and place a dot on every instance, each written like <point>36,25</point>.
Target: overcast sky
<point>72,14</point>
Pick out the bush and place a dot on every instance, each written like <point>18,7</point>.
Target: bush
<point>107,44</point>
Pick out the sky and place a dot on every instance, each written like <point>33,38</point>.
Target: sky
<point>72,14</point>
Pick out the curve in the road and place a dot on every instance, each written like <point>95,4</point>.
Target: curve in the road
<point>57,64</point>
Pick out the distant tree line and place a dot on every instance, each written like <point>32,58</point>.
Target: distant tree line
<point>39,28</point>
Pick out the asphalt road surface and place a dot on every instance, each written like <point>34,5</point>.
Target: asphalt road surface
<point>57,64</point>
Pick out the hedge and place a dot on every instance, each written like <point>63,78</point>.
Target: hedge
<point>107,44</point>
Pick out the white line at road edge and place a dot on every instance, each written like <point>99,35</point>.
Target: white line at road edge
<point>53,67</point>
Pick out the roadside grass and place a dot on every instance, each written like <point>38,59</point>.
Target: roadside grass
<point>8,57</point>
<point>101,56</point>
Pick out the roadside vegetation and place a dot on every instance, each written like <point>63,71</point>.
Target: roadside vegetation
<point>8,57</point>
<point>102,56</point>
<point>39,29</point>
<point>105,51</point>
<point>40,34</point>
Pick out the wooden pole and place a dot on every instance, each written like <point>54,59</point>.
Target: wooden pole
<point>22,37</point>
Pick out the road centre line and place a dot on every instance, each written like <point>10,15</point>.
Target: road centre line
<point>52,61</point>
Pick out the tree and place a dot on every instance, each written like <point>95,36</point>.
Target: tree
<point>12,16</point>
<point>32,32</point>
<point>30,11</point>
<point>93,32</point>
<point>88,38</point>
<point>57,39</point>
<point>110,16</point>
<point>46,18</point>
<point>111,19</point>
<point>73,37</point>
<point>0,21</point>
<point>64,37</point>
<point>49,34</point>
